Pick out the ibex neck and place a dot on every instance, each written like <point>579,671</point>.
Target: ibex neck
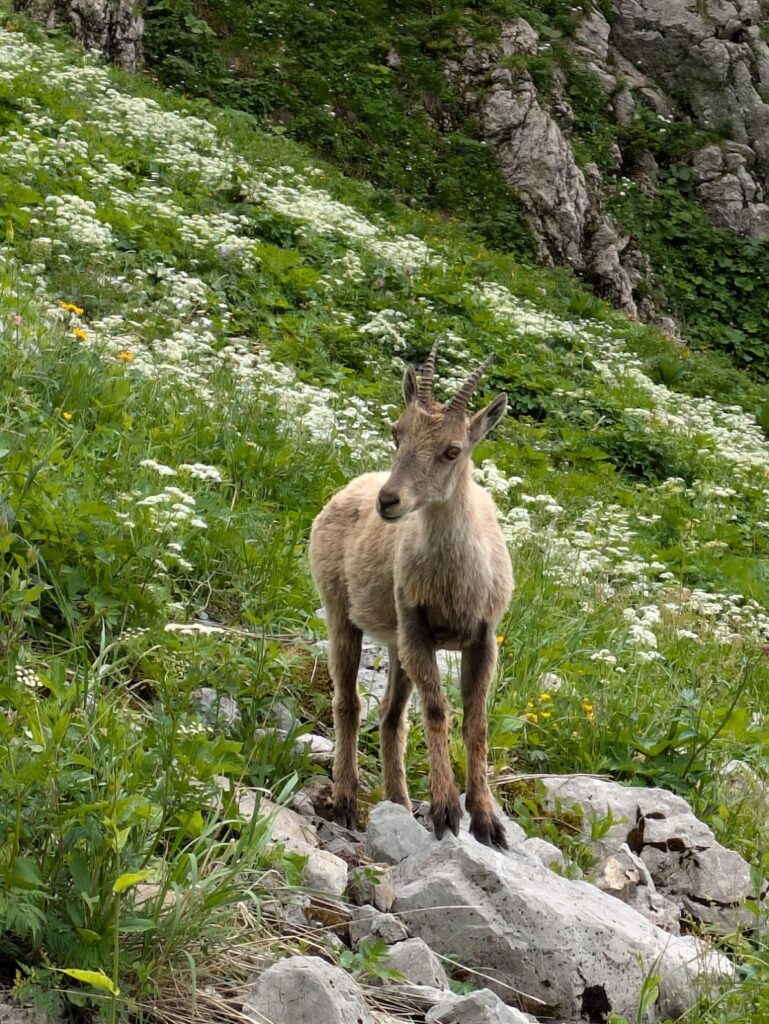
<point>447,520</point>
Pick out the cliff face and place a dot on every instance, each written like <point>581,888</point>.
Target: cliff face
<point>709,63</point>
<point>702,64</point>
<point>113,26</point>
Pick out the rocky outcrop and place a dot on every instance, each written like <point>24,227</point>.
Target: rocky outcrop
<point>705,62</point>
<point>686,60</point>
<point>565,948</point>
<point>561,198</point>
<point>656,844</point>
<point>542,945</point>
<point>114,27</point>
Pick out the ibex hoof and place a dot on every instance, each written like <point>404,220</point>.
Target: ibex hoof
<point>488,830</point>
<point>445,815</point>
<point>345,811</point>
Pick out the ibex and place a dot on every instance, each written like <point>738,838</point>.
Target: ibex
<point>417,559</point>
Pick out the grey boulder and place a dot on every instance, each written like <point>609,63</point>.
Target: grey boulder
<point>306,990</point>
<point>570,949</point>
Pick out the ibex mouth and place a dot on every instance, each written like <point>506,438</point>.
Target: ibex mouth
<point>390,515</point>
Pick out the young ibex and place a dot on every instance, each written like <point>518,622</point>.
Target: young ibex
<point>416,558</point>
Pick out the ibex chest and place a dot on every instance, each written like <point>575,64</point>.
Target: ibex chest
<point>448,632</point>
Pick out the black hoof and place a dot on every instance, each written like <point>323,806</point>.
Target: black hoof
<point>488,830</point>
<point>345,812</point>
<point>445,815</point>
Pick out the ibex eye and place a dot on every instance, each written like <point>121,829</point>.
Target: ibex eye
<point>453,453</point>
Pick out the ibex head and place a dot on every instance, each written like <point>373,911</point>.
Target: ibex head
<point>434,442</point>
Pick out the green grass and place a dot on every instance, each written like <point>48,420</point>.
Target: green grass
<point>229,318</point>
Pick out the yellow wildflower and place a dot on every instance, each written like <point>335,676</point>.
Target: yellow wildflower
<point>127,357</point>
<point>544,696</point>
<point>531,716</point>
<point>545,714</point>
<point>70,307</point>
<point>67,415</point>
<point>500,639</point>
<point>587,708</point>
<point>80,333</point>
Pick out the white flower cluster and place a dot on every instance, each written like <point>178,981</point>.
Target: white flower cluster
<point>318,213</point>
<point>158,467</point>
<point>389,325</point>
<point>170,506</point>
<point>201,471</point>
<point>74,218</point>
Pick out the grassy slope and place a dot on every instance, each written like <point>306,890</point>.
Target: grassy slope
<point>187,302</point>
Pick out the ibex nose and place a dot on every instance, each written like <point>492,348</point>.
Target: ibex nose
<point>387,501</point>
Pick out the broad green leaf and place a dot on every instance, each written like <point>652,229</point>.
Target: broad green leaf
<point>128,879</point>
<point>24,874</point>
<point>97,978</point>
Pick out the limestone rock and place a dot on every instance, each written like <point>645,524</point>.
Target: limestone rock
<point>306,990</point>
<point>371,884</point>
<point>113,26</point>
<point>318,749</point>
<point>369,924</point>
<point>569,947</point>
<point>323,870</point>
<point>12,1013</point>
<point>481,1007</point>
<point>414,959</point>
<point>537,161</point>
<point>341,841</point>
<point>216,709</point>
<point>625,876</point>
<point>393,834</point>
<point>684,859</point>
<point>727,187</point>
<point>546,853</point>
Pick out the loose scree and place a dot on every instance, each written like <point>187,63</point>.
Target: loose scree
<point>416,558</point>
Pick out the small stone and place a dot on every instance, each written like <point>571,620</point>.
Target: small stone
<point>306,990</point>
<point>284,719</point>
<point>371,884</point>
<point>323,870</point>
<point>481,1007</point>
<point>414,959</point>
<point>319,749</point>
<point>392,834</point>
<point>369,925</point>
<point>216,709</point>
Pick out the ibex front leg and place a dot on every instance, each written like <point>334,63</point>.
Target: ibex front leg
<point>417,655</point>
<point>478,663</point>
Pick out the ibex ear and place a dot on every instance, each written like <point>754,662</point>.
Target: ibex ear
<point>487,418</point>
<point>410,386</point>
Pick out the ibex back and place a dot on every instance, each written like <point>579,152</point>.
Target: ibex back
<point>417,559</point>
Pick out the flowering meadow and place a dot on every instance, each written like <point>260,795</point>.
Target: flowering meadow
<point>202,335</point>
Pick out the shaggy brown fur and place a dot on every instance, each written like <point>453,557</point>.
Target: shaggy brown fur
<point>417,559</point>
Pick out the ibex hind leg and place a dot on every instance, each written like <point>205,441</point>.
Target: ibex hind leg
<point>478,664</point>
<point>343,662</point>
<point>393,729</point>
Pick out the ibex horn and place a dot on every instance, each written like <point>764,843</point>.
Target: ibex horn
<point>425,393</point>
<point>462,398</point>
